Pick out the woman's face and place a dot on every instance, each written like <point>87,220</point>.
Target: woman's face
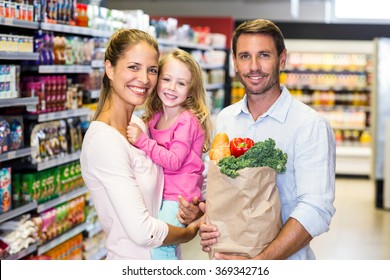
<point>135,75</point>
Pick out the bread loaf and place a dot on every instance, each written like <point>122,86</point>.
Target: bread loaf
<point>220,147</point>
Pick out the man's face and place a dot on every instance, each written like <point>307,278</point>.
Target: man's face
<point>257,63</point>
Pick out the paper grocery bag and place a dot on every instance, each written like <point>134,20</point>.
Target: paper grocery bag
<point>246,209</point>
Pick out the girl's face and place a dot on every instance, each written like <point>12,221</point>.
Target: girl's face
<point>174,83</point>
<point>135,75</point>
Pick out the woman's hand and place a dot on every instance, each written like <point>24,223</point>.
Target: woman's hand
<point>189,212</point>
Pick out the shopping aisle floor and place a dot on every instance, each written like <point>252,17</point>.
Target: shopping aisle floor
<point>359,231</point>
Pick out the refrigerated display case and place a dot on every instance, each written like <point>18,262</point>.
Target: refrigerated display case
<point>381,116</point>
<point>334,77</point>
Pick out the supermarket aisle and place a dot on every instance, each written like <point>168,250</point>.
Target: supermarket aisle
<point>359,231</point>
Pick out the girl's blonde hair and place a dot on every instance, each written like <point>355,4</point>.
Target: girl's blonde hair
<point>196,101</point>
<point>118,44</point>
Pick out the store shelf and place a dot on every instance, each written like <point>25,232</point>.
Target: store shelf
<point>63,198</point>
<point>18,211</point>
<point>13,102</point>
<point>215,86</point>
<point>97,64</point>
<point>93,229</point>
<point>62,238</point>
<point>55,162</point>
<point>19,255</point>
<point>15,154</point>
<point>186,45</point>
<point>75,30</point>
<point>102,253</point>
<point>19,23</point>
<point>59,115</point>
<point>18,56</point>
<point>60,69</point>
<point>212,66</point>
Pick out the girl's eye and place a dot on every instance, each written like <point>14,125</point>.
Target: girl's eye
<point>182,84</point>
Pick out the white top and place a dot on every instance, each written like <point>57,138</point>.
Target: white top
<point>126,188</point>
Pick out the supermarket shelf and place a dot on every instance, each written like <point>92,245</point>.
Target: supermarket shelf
<point>61,199</point>
<point>18,23</point>
<point>19,56</point>
<point>212,66</point>
<point>97,63</point>
<point>13,102</point>
<point>59,69</point>
<point>187,45</point>
<point>62,238</point>
<point>75,30</point>
<point>55,162</point>
<point>18,211</point>
<point>15,154</point>
<point>59,115</point>
<point>94,229</point>
<point>102,253</point>
<point>215,86</point>
<point>19,255</point>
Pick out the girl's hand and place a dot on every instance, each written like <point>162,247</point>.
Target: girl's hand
<point>133,132</point>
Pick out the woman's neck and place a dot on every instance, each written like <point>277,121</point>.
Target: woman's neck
<point>117,117</point>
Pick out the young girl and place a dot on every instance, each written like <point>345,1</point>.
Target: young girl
<point>179,124</point>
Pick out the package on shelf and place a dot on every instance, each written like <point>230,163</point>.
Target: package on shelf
<point>15,137</point>
<point>17,10</point>
<point>5,189</point>
<point>9,81</point>
<point>19,233</point>
<point>94,245</point>
<point>60,219</point>
<point>16,43</point>
<point>218,40</point>
<point>70,176</point>
<point>71,249</point>
<point>136,19</point>
<point>11,133</point>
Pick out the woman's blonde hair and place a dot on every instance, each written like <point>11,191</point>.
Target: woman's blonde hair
<point>118,44</point>
<point>196,101</point>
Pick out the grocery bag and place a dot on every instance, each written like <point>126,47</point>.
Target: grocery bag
<point>246,209</point>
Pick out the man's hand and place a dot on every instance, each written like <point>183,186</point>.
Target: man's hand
<point>208,235</point>
<point>189,212</point>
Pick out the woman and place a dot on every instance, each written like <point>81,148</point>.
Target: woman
<point>125,185</point>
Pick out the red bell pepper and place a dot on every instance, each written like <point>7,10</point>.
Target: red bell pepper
<point>238,146</point>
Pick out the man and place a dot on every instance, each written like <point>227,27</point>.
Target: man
<point>307,188</point>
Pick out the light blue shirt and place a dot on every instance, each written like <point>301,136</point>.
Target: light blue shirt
<point>307,188</point>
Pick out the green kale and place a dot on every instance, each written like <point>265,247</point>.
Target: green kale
<point>262,153</point>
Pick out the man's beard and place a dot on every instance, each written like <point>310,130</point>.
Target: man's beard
<point>270,84</point>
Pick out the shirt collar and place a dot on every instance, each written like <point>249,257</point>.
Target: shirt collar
<point>277,111</point>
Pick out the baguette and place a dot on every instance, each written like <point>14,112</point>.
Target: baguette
<point>220,147</point>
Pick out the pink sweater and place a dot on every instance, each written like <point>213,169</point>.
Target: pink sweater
<point>178,149</point>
